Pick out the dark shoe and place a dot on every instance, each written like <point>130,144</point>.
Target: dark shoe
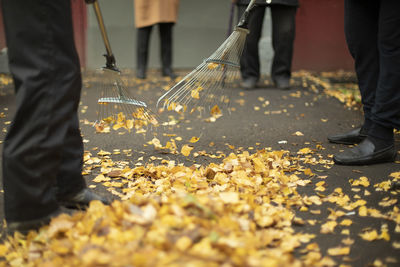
<point>365,154</point>
<point>25,226</point>
<point>282,83</point>
<point>249,83</point>
<point>355,136</point>
<point>82,199</point>
<point>141,73</point>
<point>167,72</point>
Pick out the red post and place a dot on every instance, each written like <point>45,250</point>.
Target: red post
<point>79,18</point>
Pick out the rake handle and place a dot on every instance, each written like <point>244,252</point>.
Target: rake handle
<point>110,59</point>
<point>244,20</point>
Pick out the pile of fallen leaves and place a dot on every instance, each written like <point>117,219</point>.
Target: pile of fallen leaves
<point>240,212</point>
<point>237,213</point>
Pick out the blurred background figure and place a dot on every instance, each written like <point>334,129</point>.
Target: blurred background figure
<point>283,14</point>
<point>147,14</point>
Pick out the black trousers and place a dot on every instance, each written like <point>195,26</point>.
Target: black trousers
<point>283,34</point>
<point>373,37</point>
<point>42,155</point>
<point>143,42</point>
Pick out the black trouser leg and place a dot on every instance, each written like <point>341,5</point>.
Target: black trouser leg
<point>361,30</point>
<point>283,34</point>
<point>386,110</point>
<point>46,73</point>
<point>142,50</point>
<point>69,177</point>
<point>373,36</point>
<point>166,48</point>
<point>250,60</point>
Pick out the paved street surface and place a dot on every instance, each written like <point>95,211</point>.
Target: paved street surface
<point>266,117</point>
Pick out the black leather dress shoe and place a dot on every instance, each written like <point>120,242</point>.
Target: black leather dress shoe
<point>355,136</point>
<point>82,199</point>
<point>365,154</point>
<point>24,227</point>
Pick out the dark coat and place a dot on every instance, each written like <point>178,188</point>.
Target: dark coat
<point>272,2</point>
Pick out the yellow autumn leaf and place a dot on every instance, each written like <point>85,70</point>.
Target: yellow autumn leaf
<point>304,151</point>
<point>183,243</point>
<point>369,235</point>
<point>328,227</point>
<point>60,224</point>
<point>212,65</point>
<point>396,245</point>
<point>308,172</point>
<point>194,139</point>
<point>259,166</point>
<point>298,133</point>
<point>100,178</point>
<point>215,111</point>
<point>395,175</point>
<point>383,186</point>
<point>195,94</point>
<point>345,232</point>
<point>362,211</point>
<point>117,126</point>
<point>363,181</point>
<point>185,150</point>
<point>156,143</point>
<point>339,251</point>
<point>229,197</point>
<point>129,124</point>
<point>346,222</point>
<point>3,250</point>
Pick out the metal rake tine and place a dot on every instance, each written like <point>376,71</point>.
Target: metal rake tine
<point>183,92</point>
<point>175,86</point>
<point>213,82</point>
<point>171,90</point>
<point>202,83</point>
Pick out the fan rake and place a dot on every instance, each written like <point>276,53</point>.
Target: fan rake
<point>116,108</point>
<point>206,86</point>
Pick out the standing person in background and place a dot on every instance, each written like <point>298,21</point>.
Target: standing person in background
<point>283,13</point>
<point>43,149</point>
<point>372,31</point>
<point>149,13</point>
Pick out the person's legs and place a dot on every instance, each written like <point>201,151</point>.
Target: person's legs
<point>42,151</point>
<point>166,49</point>
<point>384,114</point>
<point>283,34</point>
<point>142,51</point>
<point>71,187</point>
<point>45,68</point>
<point>361,31</point>
<point>250,60</point>
<point>69,176</point>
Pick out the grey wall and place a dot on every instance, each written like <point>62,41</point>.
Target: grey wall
<point>201,28</point>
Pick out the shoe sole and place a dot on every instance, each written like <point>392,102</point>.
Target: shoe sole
<point>366,160</point>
